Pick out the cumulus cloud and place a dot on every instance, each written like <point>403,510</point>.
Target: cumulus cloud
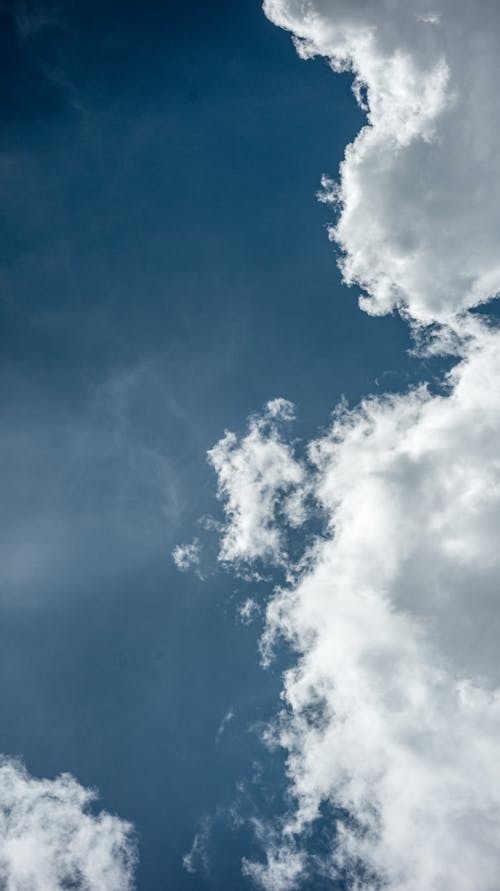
<point>197,859</point>
<point>390,715</point>
<point>259,479</point>
<point>50,840</point>
<point>419,188</point>
<point>392,710</point>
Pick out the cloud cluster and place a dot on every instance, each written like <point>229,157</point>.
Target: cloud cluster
<point>419,188</point>
<point>392,710</point>
<point>51,841</point>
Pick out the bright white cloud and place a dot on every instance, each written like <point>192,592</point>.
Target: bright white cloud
<point>419,189</point>
<point>51,841</point>
<point>392,711</point>
<point>258,479</point>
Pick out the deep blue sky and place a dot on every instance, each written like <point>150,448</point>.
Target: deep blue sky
<point>164,271</point>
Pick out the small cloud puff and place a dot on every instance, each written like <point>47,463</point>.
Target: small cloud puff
<point>258,479</point>
<point>248,611</point>
<point>187,556</point>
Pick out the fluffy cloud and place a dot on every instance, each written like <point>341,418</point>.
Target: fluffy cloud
<point>419,189</point>
<point>185,556</point>
<point>258,480</point>
<point>392,710</point>
<point>51,841</point>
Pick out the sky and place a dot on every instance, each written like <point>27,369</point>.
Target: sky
<point>249,560</point>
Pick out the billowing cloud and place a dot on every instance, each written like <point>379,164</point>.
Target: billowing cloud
<point>419,189</point>
<point>186,556</point>
<point>392,710</point>
<point>390,715</point>
<point>50,840</point>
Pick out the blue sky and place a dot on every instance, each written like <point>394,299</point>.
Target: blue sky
<point>165,270</point>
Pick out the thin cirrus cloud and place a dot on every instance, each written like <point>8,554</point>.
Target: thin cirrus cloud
<point>50,840</point>
<point>391,712</point>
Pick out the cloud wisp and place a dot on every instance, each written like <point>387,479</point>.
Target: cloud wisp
<point>391,711</point>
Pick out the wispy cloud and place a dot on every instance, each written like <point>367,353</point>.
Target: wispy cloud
<point>228,717</point>
<point>187,556</point>
<point>285,866</point>
<point>248,610</point>
<point>197,857</point>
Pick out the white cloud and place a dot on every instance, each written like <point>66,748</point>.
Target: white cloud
<point>186,556</point>
<point>50,840</point>
<point>283,870</point>
<point>248,610</point>
<point>419,189</point>
<point>392,711</point>
<point>258,479</point>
